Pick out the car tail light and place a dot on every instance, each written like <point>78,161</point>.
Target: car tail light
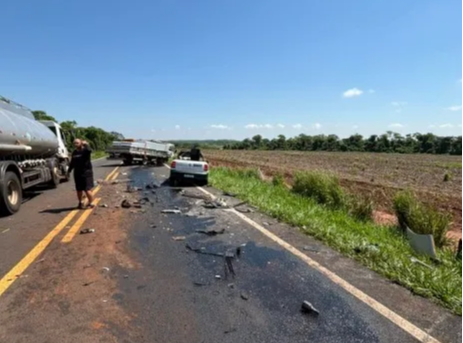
<point>206,167</point>
<point>173,164</point>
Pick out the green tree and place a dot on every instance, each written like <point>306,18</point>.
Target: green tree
<point>42,115</point>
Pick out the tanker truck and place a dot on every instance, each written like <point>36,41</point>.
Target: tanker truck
<point>32,153</point>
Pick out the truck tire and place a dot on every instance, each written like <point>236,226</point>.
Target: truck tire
<point>55,178</point>
<point>11,197</point>
<point>128,160</point>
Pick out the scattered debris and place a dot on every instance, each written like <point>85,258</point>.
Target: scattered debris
<point>153,226</point>
<point>126,276</point>
<point>218,277</point>
<point>88,283</point>
<point>6,230</point>
<point>307,307</point>
<point>417,261</point>
<point>179,238</point>
<point>244,210</point>
<point>240,204</point>
<point>238,251</point>
<point>309,248</point>
<point>211,232</point>
<point>367,248</point>
<point>117,242</point>
<point>244,296</point>
<point>126,204</point>
<point>132,189</point>
<point>203,250</point>
<point>104,205</point>
<point>124,174</point>
<point>265,224</point>
<point>423,244</point>
<point>85,231</point>
<point>40,261</point>
<point>106,269</point>
<point>229,256</point>
<point>228,194</point>
<point>195,196</point>
<point>171,211</point>
<point>230,330</point>
<point>215,204</point>
<point>200,283</point>
<point>231,285</point>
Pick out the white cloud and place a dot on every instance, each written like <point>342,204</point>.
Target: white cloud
<point>454,108</point>
<point>219,127</point>
<point>258,126</point>
<point>177,127</point>
<point>297,126</point>
<point>446,126</point>
<point>396,125</point>
<point>353,92</point>
<point>317,126</point>
<point>280,126</point>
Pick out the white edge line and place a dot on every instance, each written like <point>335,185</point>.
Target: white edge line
<point>401,322</point>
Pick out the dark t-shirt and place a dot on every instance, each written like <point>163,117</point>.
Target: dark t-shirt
<point>195,154</point>
<point>81,162</point>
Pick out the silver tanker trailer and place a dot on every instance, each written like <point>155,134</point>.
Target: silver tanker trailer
<point>32,153</point>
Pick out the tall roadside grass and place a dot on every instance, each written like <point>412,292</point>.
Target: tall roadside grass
<point>420,218</point>
<point>346,234</point>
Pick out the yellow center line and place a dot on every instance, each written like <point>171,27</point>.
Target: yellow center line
<point>78,224</point>
<point>114,176</point>
<point>9,278</point>
<point>27,260</point>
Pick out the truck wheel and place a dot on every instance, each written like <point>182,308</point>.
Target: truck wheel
<point>11,197</point>
<point>128,161</point>
<point>54,170</point>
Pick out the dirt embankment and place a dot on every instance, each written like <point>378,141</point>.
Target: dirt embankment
<point>378,176</point>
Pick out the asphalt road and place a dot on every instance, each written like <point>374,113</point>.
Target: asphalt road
<point>145,276</point>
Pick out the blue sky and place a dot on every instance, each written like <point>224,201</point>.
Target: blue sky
<point>216,69</point>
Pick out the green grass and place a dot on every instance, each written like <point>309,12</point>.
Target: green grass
<point>421,218</point>
<point>98,154</point>
<point>449,165</point>
<point>350,236</point>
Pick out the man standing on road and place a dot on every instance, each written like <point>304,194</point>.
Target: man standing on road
<point>195,153</point>
<point>83,171</point>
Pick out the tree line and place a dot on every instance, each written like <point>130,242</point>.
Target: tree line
<point>98,138</point>
<point>389,142</point>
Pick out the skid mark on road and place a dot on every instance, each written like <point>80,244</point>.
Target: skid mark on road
<point>9,278</point>
<point>401,322</point>
<point>78,224</point>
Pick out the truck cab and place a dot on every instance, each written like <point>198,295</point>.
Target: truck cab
<point>56,128</point>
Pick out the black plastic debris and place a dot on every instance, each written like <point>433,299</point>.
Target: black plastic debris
<point>202,250</point>
<point>244,296</point>
<point>308,308</point>
<point>85,231</point>
<point>211,232</point>
<point>126,204</point>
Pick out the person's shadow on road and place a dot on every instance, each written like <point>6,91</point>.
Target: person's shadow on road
<point>58,210</point>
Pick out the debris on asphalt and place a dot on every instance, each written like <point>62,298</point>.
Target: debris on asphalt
<point>124,174</point>
<point>231,285</point>
<point>178,238</point>
<point>421,263</point>
<point>153,226</point>
<point>106,269</point>
<point>126,276</point>
<point>228,194</point>
<point>170,211</point>
<point>307,307</point>
<point>132,189</point>
<point>202,250</point>
<point>240,204</point>
<point>244,210</point>
<point>218,277</point>
<point>85,231</point>
<point>229,256</point>
<point>40,261</point>
<point>104,205</point>
<point>211,232</point>
<point>238,251</point>
<point>200,283</point>
<point>309,248</point>
<point>265,224</point>
<point>218,203</point>
<point>6,230</point>
<point>244,296</point>
<point>195,196</point>
<point>230,330</point>
<point>126,204</point>
<point>88,283</point>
